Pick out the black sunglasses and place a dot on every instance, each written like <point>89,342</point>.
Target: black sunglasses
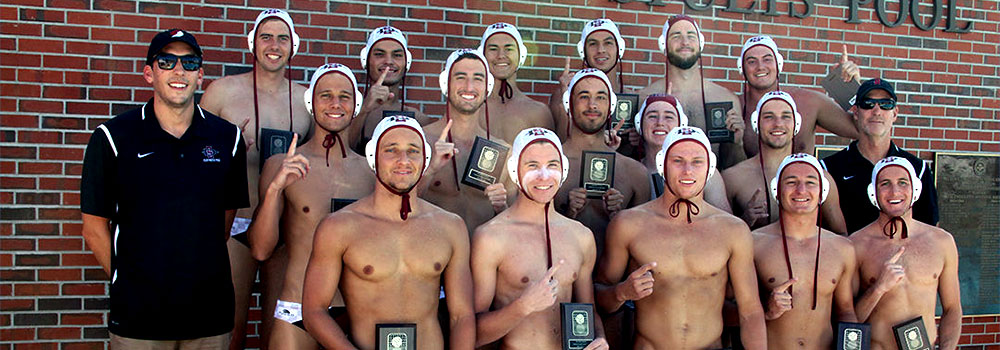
<point>884,103</point>
<point>167,61</point>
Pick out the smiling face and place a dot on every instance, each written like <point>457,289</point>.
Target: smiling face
<point>467,85</point>
<point>273,45</point>
<point>875,122</point>
<point>591,101</point>
<point>799,188</point>
<point>540,168</point>
<point>657,120</point>
<point>501,53</point>
<point>399,158</point>
<point>683,46</point>
<point>776,122</point>
<point>174,87</point>
<point>760,67</point>
<point>601,50</point>
<point>685,168</point>
<point>387,54</point>
<point>333,102</point>
<point>894,190</point>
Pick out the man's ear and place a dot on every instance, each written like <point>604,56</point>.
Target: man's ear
<point>854,113</point>
<point>147,73</point>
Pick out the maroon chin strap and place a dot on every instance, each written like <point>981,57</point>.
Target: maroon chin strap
<point>506,91</point>
<point>889,229</point>
<point>328,142</point>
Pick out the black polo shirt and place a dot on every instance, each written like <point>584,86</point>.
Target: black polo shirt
<point>166,199</point>
<point>853,172</point>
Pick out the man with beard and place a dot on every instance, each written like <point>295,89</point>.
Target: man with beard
<point>386,59</point>
<point>760,63</point>
<point>776,119</point>
<point>516,299</point>
<point>905,265</point>
<point>682,42</point>
<point>875,112</point>
<point>804,291</point>
<point>681,254</point>
<point>659,114</point>
<point>276,105</point>
<point>513,111</point>
<point>389,253</point>
<point>589,100</point>
<point>465,82</point>
<point>160,188</point>
<point>601,47</point>
<point>297,190</point>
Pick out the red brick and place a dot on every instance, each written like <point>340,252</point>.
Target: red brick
<point>40,45</point>
<point>113,34</point>
<point>19,59</point>
<point>31,289</point>
<point>40,76</point>
<point>82,319</point>
<point>64,244</point>
<point>87,48</point>
<point>39,168</point>
<point>59,333</point>
<point>63,92</point>
<point>58,183</point>
<point>18,182</point>
<point>43,198</point>
<point>60,275</point>
<point>26,29</point>
<point>88,18</point>
<point>52,153</point>
<point>34,229</point>
<point>64,61</point>
<point>71,4</point>
<point>87,108</point>
<point>78,260</point>
<point>16,334</point>
<point>84,289</point>
<point>58,214</point>
<point>72,229</point>
<point>66,31</point>
<point>91,345</point>
<point>17,244</point>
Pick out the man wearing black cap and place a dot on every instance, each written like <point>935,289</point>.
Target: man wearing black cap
<point>167,179</point>
<point>875,111</point>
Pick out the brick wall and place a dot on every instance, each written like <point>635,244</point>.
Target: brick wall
<point>68,65</point>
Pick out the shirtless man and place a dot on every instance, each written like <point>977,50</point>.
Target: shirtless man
<point>682,42</point>
<point>589,99</point>
<point>297,190</point>
<point>512,110</point>
<point>778,117</point>
<point>760,62</point>
<point>681,252</point>
<point>599,43</point>
<point>658,115</point>
<point>386,59</point>
<point>389,253</point>
<point>465,82</point>
<point>896,286</point>
<point>516,299</point>
<point>804,291</point>
<point>276,105</point>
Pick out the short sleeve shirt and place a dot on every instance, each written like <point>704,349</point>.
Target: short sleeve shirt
<point>166,199</point>
<point>853,172</point>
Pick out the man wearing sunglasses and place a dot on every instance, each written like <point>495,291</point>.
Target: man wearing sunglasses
<point>875,111</point>
<point>166,179</point>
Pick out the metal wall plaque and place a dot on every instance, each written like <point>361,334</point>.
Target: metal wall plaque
<point>339,203</point>
<point>968,187</point>
<point>598,173</point>
<point>911,335</point>
<point>396,336</point>
<point>841,92</point>
<point>628,105</point>
<point>825,151</point>
<point>577,325</point>
<point>410,114</point>
<point>853,336</point>
<point>273,141</point>
<point>486,163</point>
<point>715,122</point>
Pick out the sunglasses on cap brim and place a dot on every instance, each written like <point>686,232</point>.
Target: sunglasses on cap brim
<point>168,61</point>
<point>883,103</point>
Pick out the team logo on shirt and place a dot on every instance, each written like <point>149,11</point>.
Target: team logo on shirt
<point>210,154</point>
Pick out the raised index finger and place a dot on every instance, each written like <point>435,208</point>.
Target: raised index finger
<point>444,132</point>
<point>843,57</point>
<point>899,254</point>
<point>566,68</point>
<point>382,77</point>
<point>295,142</point>
<point>784,286</point>
<point>552,270</point>
<point>756,196</point>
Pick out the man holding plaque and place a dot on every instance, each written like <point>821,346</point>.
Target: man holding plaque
<point>659,114</point>
<point>760,63</point>
<point>805,291</point>
<point>904,266</point>
<point>389,254</point>
<point>515,295</point>
<point>875,112</point>
<point>682,42</point>
<point>512,110</point>
<point>776,119</point>
<point>674,256</point>
<point>601,47</point>
<point>386,59</point>
<point>465,83</point>
<point>297,190</point>
<point>277,108</point>
<point>589,100</point>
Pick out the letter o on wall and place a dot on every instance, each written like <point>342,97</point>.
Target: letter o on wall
<point>935,17</point>
<point>883,16</point>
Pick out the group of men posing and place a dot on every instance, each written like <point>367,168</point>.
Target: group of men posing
<point>658,266</point>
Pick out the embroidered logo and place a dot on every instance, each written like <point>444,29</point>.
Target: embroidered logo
<point>177,34</point>
<point>210,154</point>
<point>537,132</point>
